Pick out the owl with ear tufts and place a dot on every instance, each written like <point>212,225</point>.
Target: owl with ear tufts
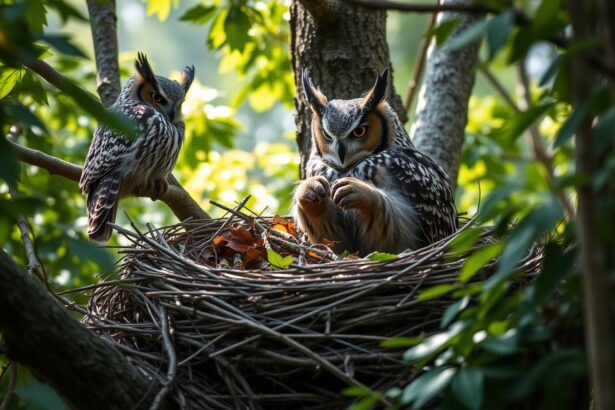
<point>367,187</point>
<point>117,166</point>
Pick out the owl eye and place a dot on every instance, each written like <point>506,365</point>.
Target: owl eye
<point>157,98</point>
<point>360,132</point>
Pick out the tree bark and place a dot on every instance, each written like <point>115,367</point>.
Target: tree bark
<point>342,46</point>
<point>104,34</point>
<point>40,334</point>
<point>593,225</point>
<point>442,110</point>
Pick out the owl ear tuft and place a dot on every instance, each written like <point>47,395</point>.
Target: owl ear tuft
<point>145,73</point>
<point>315,98</point>
<point>186,78</point>
<point>377,94</point>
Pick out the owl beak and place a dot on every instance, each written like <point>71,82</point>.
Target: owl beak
<point>341,152</point>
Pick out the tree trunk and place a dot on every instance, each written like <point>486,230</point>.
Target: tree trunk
<point>442,110</point>
<point>86,371</point>
<point>595,223</point>
<point>331,40</point>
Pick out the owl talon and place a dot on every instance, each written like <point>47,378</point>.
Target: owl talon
<point>351,193</point>
<point>312,194</point>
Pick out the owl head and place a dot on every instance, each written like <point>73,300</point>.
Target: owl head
<point>345,131</point>
<point>163,94</point>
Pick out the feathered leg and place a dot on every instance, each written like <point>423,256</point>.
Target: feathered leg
<point>102,207</point>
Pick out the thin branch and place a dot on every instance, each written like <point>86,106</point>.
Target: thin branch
<point>498,86</point>
<point>104,35</point>
<point>420,63</point>
<point>178,200</point>
<point>10,391</point>
<point>422,8</point>
<point>168,345</point>
<point>540,151</point>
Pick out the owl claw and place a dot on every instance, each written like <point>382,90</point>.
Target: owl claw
<point>351,193</point>
<point>312,194</point>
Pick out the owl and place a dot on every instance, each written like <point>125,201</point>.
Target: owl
<point>367,187</point>
<point>117,166</point>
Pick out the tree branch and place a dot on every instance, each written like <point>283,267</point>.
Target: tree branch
<point>420,63</point>
<point>104,35</point>
<point>423,8</point>
<point>178,200</point>
<point>442,110</point>
<point>84,369</point>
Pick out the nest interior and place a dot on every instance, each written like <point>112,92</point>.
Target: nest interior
<point>218,337</point>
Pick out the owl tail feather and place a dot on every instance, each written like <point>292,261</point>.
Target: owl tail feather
<point>102,207</point>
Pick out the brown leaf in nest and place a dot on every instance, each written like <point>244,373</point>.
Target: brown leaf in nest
<point>289,226</point>
<point>242,234</point>
<point>218,240</point>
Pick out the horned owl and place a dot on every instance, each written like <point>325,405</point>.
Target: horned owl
<point>367,187</point>
<point>117,166</point>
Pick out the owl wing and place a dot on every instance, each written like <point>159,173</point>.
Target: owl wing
<point>106,150</point>
<point>426,185</point>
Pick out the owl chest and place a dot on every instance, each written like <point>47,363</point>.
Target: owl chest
<point>157,147</point>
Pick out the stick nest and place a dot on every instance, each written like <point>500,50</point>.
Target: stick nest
<point>219,331</point>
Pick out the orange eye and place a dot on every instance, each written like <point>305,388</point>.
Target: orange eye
<point>360,132</point>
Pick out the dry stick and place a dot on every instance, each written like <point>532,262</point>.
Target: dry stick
<point>10,391</point>
<point>422,8</point>
<point>420,63</point>
<point>279,240</point>
<point>168,345</point>
<point>540,151</point>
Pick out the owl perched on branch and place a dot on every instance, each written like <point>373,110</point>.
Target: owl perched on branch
<point>367,187</point>
<point>117,166</point>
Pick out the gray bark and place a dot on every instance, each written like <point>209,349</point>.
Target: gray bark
<point>104,34</point>
<point>442,110</point>
<point>86,371</point>
<point>330,39</point>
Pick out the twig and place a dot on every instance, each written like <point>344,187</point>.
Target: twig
<point>499,87</point>
<point>422,8</point>
<point>540,151</point>
<point>10,391</point>
<point>420,63</point>
<point>168,345</point>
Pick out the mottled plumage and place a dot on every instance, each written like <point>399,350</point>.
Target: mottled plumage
<point>367,187</point>
<point>117,166</point>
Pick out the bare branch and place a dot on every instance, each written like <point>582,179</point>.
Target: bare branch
<point>422,8</point>
<point>10,391</point>
<point>178,200</point>
<point>104,380</point>
<point>104,35</point>
<point>420,63</point>
<point>540,151</point>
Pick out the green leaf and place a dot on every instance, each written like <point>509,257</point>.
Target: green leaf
<point>604,130</point>
<point>498,30</point>
<point>557,264</point>
<point>472,33</point>
<point>551,71</point>
<point>427,386</point>
<point>453,310</point>
<point>24,115</point>
<point>436,291</point>
<point>479,259</point>
<point>356,391</point>
<point>506,344</point>
<point>443,31</point>
<point>401,341</point>
<point>161,8</point>
<point>433,343</point>
<point>236,25</point>
<point>521,121</point>
<point>572,124</point>
<point>61,43</point>
<point>382,256</point>
<point>9,77</point>
<point>9,166</point>
<point>277,260</point>
<point>468,385</point>
<point>199,14</point>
